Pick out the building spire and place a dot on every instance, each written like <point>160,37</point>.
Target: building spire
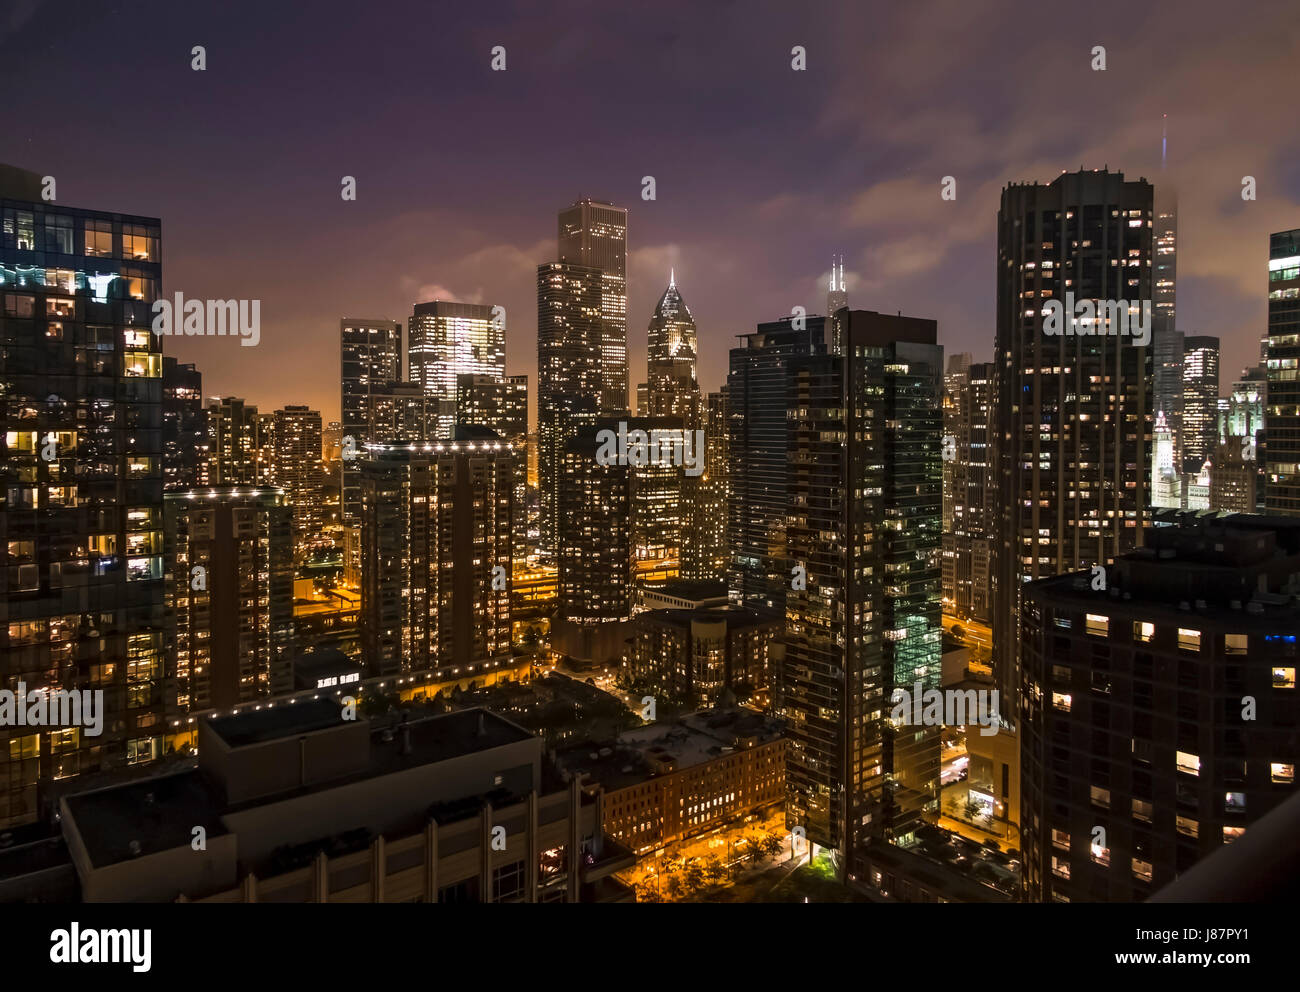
<point>1164,139</point>
<point>672,278</point>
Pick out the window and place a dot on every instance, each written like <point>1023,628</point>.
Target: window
<point>1100,797</point>
<point>1189,640</point>
<point>1234,643</point>
<point>1142,869</point>
<point>99,237</point>
<point>1283,774</point>
<point>1098,626</point>
<point>1232,833</point>
<point>1187,826</point>
<point>1144,632</point>
<point>1060,867</point>
<point>508,882</point>
<point>1061,701</point>
<point>1100,855</point>
<point>1142,810</point>
<point>1283,678</point>
<point>1060,839</point>
<point>1234,802</point>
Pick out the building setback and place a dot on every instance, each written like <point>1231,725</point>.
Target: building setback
<point>1160,715</point>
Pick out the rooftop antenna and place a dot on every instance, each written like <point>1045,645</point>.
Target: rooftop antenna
<point>1164,139</point>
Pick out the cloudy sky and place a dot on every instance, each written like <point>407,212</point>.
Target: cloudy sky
<point>762,172</point>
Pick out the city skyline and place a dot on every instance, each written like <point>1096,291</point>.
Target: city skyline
<point>883,172</point>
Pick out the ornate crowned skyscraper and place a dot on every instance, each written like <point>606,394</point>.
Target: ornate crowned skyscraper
<point>671,360</point>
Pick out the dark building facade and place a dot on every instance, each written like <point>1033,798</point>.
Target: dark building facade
<point>185,426</point>
<point>1072,414</point>
<point>1160,716</point>
<point>758,573</point>
<point>81,457</point>
<point>370,353</point>
<point>863,611</point>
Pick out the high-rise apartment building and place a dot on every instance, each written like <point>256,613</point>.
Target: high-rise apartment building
<point>229,594</point>
<point>595,559</point>
<point>1200,400</point>
<point>1282,415</point>
<point>299,471</point>
<point>185,430</point>
<point>704,553</point>
<point>81,481</point>
<point>1159,714</point>
<point>758,573</point>
<point>673,347</point>
<point>1072,421</point>
<point>501,406</point>
<point>447,340</point>
<point>240,443</point>
<point>436,556</point>
<point>593,233</point>
<point>370,358</point>
<point>863,611</point>
<point>569,382</point>
<point>968,490</point>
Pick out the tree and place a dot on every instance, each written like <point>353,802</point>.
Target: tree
<point>694,875</point>
<point>772,845</point>
<point>973,809</point>
<point>714,871</point>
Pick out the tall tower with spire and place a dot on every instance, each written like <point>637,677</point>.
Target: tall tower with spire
<point>673,389</point>
<point>837,295</point>
<point>1166,341</point>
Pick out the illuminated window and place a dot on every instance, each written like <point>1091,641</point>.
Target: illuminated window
<point>1100,855</point>
<point>1061,700</point>
<point>1234,802</point>
<point>1144,631</point>
<point>1283,678</point>
<point>1142,810</point>
<point>1097,625</point>
<point>1186,825</point>
<point>1232,833</point>
<point>1060,867</point>
<point>1060,839</point>
<point>1283,773</point>
<point>1234,643</point>
<point>1142,869</point>
<point>1189,640</point>
<point>1189,763</point>
<point>1100,797</point>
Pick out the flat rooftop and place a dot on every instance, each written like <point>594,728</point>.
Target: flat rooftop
<point>256,726</point>
<point>157,813</point>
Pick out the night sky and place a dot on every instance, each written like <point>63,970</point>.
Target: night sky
<point>762,172</point>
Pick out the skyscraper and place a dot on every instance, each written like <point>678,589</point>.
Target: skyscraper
<point>863,610</point>
<point>240,443</point>
<point>595,555</point>
<point>569,378</point>
<point>704,553</point>
<point>185,430</point>
<point>81,467</point>
<point>501,406</point>
<point>968,506</point>
<point>837,294</point>
<point>758,573</point>
<point>1166,340</point>
<point>1282,413</point>
<point>230,594</point>
<point>593,233</point>
<point>436,554</point>
<point>673,346</point>
<point>1072,421</point>
<point>299,471</point>
<point>1200,400</point>
<point>370,356</point>
<point>448,340</point>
